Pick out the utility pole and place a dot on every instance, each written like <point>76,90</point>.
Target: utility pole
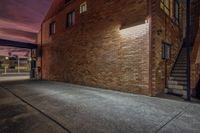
<point>18,64</point>
<point>6,64</point>
<point>188,43</point>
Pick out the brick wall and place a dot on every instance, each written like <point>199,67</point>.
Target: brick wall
<point>195,63</point>
<point>164,29</point>
<point>195,75</point>
<point>95,51</point>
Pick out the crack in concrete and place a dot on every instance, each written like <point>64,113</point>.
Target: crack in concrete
<point>173,118</point>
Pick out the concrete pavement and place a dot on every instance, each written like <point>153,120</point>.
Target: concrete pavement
<point>79,109</point>
<point>14,76</point>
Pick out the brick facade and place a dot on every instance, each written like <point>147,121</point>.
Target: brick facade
<point>164,30</point>
<point>195,63</point>
<point>97,52</point>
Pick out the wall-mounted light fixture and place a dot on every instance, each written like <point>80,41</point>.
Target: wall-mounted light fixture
<point>123,27</point>
<point>137,29</point>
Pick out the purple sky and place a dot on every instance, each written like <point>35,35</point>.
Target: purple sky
<point>20,19</point>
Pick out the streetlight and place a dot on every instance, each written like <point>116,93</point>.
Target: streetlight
<point>6,65</point>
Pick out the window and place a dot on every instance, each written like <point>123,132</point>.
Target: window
<point>165,6</point>
<point>176,11</point>
<point>166,50</point>
<point>66,1</point>
<point>52,28</point>
<point>70,19</point>
<point>83,7</point>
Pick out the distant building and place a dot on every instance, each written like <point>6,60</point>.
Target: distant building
<point>13,63</point>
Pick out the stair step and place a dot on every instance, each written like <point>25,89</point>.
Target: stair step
<point>179,71</point>
<point>172,82</point>
<point>176,91</point>
<point>178,78</point>
<point>181,63</point>
<point>182,57</point>
<point>177,87</point>
<point>182,60</point>
<point>180,68</point>
<point>179,75</point>
<point>183,53</point>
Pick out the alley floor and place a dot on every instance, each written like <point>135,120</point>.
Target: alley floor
<point>53,107</point>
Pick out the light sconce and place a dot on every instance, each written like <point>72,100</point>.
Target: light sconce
<point>135,29</point>
<point>123,27</point>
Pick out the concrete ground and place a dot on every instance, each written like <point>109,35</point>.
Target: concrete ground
<point>14,76</point>
<point>45,107</point>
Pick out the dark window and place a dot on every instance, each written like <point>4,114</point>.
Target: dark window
<point>66,1</point>
<point>176,11</point>
<point>165,6</point>
<point>70,19</point>
<point>52,28</point>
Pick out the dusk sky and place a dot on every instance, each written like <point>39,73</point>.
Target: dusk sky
<point>20,20</point>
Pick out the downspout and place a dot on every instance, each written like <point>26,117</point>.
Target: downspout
<point>188,48</point>
<point>150,47</point>
<point>41,51</point>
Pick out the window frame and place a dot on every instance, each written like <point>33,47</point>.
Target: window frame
<point>165,8</point>
<point>83,7</point>
<point>67,1</point>
<point>52,28</point>
<point>176,12</point>
<point>70,19</point>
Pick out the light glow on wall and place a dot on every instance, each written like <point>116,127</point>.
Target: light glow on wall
<point>135,31</point>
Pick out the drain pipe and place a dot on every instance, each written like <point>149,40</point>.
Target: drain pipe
<point>41,41</point>
<point>150,46</point>
<point>188,12</point>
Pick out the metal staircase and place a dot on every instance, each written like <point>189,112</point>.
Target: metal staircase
<point>177,82</point>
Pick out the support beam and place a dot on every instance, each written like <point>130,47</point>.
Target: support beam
<point>188,46</point>
<point>17,44</point>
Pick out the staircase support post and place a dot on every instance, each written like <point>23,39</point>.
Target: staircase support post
<point>188,43</point>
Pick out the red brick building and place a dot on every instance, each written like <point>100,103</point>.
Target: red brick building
<point>113,44</point>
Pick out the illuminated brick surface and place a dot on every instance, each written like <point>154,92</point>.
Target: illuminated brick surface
<point>95,52</point>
